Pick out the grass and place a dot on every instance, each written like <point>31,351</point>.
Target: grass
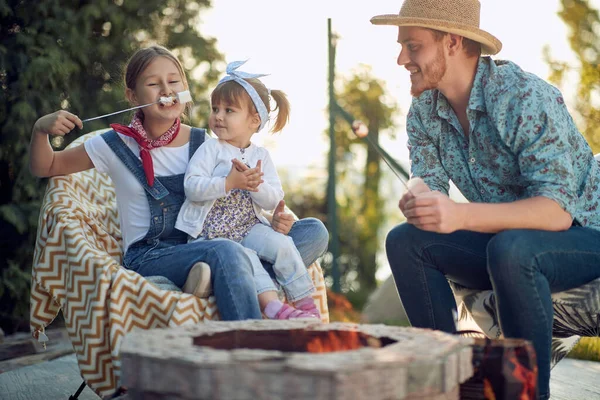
<point>587,349</point>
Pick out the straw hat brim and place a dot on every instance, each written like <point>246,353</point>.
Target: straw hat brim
<point>489,43</point>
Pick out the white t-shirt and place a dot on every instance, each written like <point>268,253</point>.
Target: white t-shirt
<point>134,212</point>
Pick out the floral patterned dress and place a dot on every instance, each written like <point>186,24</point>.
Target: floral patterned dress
<point>231,217</point>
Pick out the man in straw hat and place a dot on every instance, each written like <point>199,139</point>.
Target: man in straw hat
<point>506,139</point>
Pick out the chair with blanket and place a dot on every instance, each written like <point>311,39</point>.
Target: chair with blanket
<point>576,314</point>
<point>77,269</point>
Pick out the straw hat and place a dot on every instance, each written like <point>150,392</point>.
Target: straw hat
<point>460,17</point>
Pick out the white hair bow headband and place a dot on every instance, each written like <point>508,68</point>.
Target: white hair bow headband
<point>238,76</point>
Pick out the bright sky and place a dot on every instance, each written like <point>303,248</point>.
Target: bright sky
<point>289,41</point>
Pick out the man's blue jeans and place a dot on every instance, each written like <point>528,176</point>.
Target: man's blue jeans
<point>523,267</point>
<point>232,277</point>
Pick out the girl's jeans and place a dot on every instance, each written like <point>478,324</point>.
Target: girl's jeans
<point>288,266</point>
<point>523,267</point>
<point>232,273</point>
<point>262,280</point>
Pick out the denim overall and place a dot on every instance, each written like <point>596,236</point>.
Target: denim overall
<point>165,250</point>
<point>164,198</point>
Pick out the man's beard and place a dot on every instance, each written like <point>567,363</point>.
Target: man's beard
<point>431,74</point>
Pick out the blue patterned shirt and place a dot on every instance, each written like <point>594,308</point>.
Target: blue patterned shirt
<point>522,143</point>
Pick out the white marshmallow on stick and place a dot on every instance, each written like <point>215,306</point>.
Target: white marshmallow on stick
<point>166,101</point>
<point>182,98</point>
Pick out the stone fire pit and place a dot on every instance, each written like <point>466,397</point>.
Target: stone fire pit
<point>294,360</point>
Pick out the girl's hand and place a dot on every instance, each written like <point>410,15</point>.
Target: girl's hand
<point>254,176</point>
<point>240,166</point>
<point>242,177</point>
<point>58,123</point>
<point>282,222</point>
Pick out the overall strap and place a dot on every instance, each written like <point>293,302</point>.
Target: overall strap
<point>133,164</point>
<point>197,137</point>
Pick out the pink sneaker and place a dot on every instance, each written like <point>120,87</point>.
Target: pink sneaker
<point>308,305</point>
<point>289,312</point>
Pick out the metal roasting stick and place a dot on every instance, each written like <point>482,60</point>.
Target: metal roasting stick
<point>400,177</point>
<point>361,131</point>
<point>364,133</point>
<point>182,97</point>
<point>119,112</point>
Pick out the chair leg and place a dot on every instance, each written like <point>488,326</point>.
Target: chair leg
<point>78,392</point>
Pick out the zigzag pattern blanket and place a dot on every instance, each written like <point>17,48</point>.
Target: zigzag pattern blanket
<point>76,269</point>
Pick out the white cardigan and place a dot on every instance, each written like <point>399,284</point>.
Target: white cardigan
<point>205,182</point>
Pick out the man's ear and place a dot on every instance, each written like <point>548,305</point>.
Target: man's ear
<point>454,42</point>
<point>130,94</point>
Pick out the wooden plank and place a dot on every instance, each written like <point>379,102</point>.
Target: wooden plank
<point>27,351</point>
<point>17,348</point>
<point>15,363</point>
<point>575,380</point>
<point>18,345</point>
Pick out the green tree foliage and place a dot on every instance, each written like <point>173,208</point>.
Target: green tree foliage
<point>70,55</point>
<point>360,204</point>
<point>584,25</point>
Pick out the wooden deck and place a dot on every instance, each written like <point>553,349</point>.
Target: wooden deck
<point>32,378</point>
<point>575,380</point>
<point>51,380</point>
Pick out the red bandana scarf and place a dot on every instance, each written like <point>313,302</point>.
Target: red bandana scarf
<point>138,133</point>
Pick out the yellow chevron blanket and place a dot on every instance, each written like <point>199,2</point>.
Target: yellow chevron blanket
<point>76,269</point>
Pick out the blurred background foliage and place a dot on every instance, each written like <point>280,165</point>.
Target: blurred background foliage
<point>358,178</point>
<point>361,209</point>
<point>583,22</point>
<point>70,55</point>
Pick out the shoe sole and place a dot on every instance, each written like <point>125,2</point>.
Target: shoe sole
<point>198,281</point>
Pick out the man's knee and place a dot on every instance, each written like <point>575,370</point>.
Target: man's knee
<point>400,235</point>
<point>510,250</point>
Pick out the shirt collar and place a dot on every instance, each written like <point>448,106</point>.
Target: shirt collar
<point>441,107</point>
<point>485,67</point>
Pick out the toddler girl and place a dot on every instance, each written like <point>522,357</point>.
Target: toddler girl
<point>230,181</point>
